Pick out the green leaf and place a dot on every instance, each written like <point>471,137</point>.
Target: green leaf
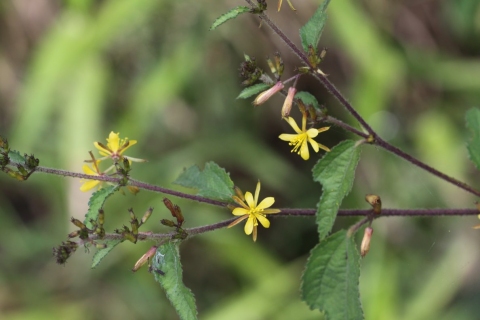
<point>308,99</point>
<point>96,203</point>
<point>472,118</point>
<point>213,182</point>
<point>232,14</point>
<point>167,271</point>
<point>336,172</point>
<point>102,253</point>
<point>253,90</point>
<point>15,156</point>
<point>311,32</point>
<point>330,280</point>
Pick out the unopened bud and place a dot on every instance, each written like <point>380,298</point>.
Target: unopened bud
<point>78,223</point>
<point>271,66</point>
<point>147,215</point>
<point>133,190</point>
<point>267,94</point>
<point>323,53</point>
<point>287,104</point>
<point>179,216</point>
<point>367,236</point>
<point>101,217</point>
<point>168,223</point>
<point>169,205</point>
<point>74,234</point>
<point>279,64</point>
<point>144,259</point>
<point>375,202</point>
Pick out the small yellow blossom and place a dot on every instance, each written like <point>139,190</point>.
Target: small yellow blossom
<point>299,140</point>
<point>115,148</point>
<point>254,211</point>
<point>94,171</point>
<point>289,3</point>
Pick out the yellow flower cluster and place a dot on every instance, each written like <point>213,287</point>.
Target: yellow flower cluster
<point>113,150</point>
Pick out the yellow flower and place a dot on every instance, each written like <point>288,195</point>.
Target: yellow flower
<point>289,3</point>
<point>115,148</point>
<point>299,140</point>
<point>94,171</point>
<point>254,211</point>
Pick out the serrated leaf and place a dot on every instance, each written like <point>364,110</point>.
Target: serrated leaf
<point>308,99</point>
<point>311,32</point>
<point>15,156</point>
<point>167,270</point>
<point>330,280</point>
<point>232,14</point>
<point>253,90</point>
<point>336,172</point>
<point>472,118</point>
<point>102,253</point>
<point>96,203</point>
<point>213,182</point>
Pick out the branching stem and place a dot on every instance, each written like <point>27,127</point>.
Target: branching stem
<point>346,104</point>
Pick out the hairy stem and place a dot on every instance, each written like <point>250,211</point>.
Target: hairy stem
<point>341,98</point>
<point>367,213</point>
<point>284,212</point>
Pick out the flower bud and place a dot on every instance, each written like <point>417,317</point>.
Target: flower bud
<point>78,223</point>
<point>267,94</point>
<point>147,215</point>
<point>133,190</point>
<point>367,236</point>
<point>287,104</point>
<point>375,202</point>
<point>144,259</point>
<point>168,223</point>
<point>272,67</point>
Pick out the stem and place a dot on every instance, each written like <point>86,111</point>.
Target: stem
<point>340,97</point>
<point>367,213</point>
<point>287,211</point>
<point>382,143</point>
<point>146,186</point>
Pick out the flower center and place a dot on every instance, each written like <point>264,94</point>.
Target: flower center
<point>298,141</point>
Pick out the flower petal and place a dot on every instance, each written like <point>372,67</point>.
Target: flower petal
<point>249,225</point>
<point>90,184</point>
<point>113,141</point>
<point>304,151</point>
<point>103,151</point>
<point>293,124</point>
<point>266,203</point>
<point>249,200</point>
<point>287,137</point>
<point>240,211</point>
<point>87,170</point>
<point>264,221</point>
<point>128,144</point>
<point>314,144</point>
<point>312,133</point>
<point>323,129</point>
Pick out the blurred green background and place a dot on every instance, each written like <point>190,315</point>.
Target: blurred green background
<point>72,71</point>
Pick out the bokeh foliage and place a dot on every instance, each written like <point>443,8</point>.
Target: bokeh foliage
<point>72,71</point>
